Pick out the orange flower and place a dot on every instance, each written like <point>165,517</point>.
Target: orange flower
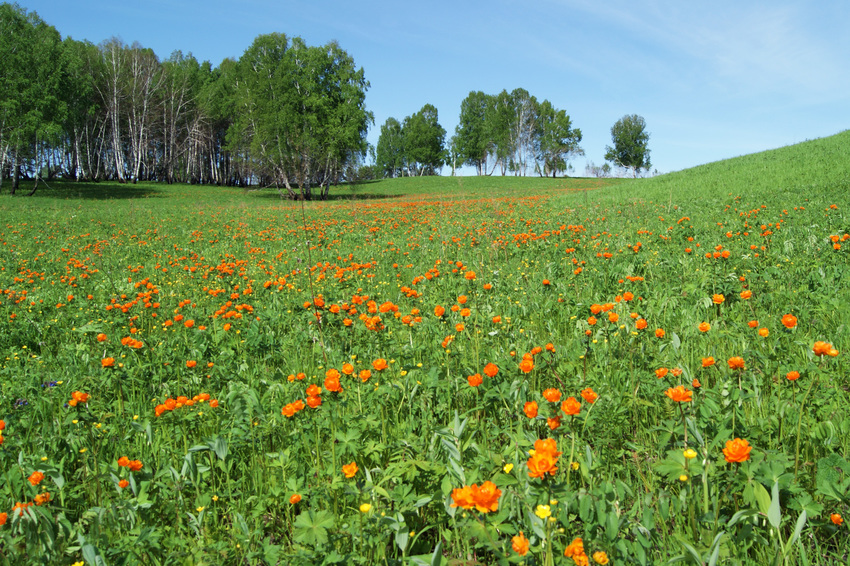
<point>107,362</point>
<point>571,406</point>
<point>836,519</point>
<point>123,483</point>
<point>191,363</point>
<point>469,275</point>
<point>530,409</point>
<point>718,299</point>
<point>575,548</point>
<point>764,332</point>
<point>380,364</point>
<point>314,401</point>
<point>591,320</point>
<point>821,348</point>
<point>737,450</point>
<point>544,458</point>
<point>463,497</point>
<point>101,337</point>
<point>332,381</point>
<point>497,319</point>
<point>80,397</point>
<point>789,321</point>
<point>520,544</point>
<point>491,369</point>
<point>526,365</point>
<point>123,461</point>
<point>659,333</point>
<point>552,395</point>
<point>589,395</point>
<point>792,375</point>
<point>736,362</point>
<point>707,362</point>
<point>475,380</point>
<point>349,470</point>
<point>135,465</point>
<point>679,394</point>
<point>704,327</point>
<point>35,478</point>
<point>364,375</point>
<point>595,309</point>
<point>640,324</point>
<point>486,497</point>
<point>613,317</point>
<point>294,498</point>
<point>753,323</point>
<point>696,384</point>
<point>661,373</point>
<point>347,368</point>
<point>3,518</point>
<point>459,327</point>
<point>746,294</point>
<point>42,498</point>
<point>553,422</point>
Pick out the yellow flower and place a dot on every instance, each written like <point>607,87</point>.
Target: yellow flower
<point>683,477</point>
<point>690,454</point>
<point>508,467</point>
<point>542,511</point>
<point>199,509</point>
<point>215,497</point>
<point>365,508</point>
<point>574,465</point>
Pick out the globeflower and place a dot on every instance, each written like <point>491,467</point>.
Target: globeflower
<point>544,458</point>
<point>679,394</point>
<point>736,362</point>
<point>491,369</point>
<point>589,395</point>
<point>350,470</point>
<point>530,409</point>
<point>520,544</point>
<point>571,406</point>
<point>552,395</point>
<point>789,321</point>
<point>737,450</point>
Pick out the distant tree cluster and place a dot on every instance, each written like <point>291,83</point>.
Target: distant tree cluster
<point>285,114</point>
<point>413,147</point>
<point>514,133</point>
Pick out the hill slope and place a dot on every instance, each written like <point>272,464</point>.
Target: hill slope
<point>820,166</point>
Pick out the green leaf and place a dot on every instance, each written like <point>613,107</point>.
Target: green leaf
<point>762,497</point>
<point>774,513</point>
<point>312,528</point>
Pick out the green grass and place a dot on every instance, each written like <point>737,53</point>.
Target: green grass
<point>217,484</point>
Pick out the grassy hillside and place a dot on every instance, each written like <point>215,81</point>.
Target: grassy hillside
<point>817,167</point>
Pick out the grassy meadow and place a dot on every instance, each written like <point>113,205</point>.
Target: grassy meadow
<point>441,371</point>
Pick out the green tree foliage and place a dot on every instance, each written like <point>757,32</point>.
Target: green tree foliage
<point>630,140</point>
<point>31,109</point>
<point>424,141</point>
<point>389,155</point>
<point>516,133</point>
<point>301,112</point>
<point>472,142</point>
<point>557,140</point>
<point>285,114</point>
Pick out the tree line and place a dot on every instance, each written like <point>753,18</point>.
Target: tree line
<point>284,114</point>
<point>509,131</point>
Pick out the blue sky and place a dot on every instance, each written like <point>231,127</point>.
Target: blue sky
<point>712,79</point>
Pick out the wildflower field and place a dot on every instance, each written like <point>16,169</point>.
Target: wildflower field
<point>432,371</point>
